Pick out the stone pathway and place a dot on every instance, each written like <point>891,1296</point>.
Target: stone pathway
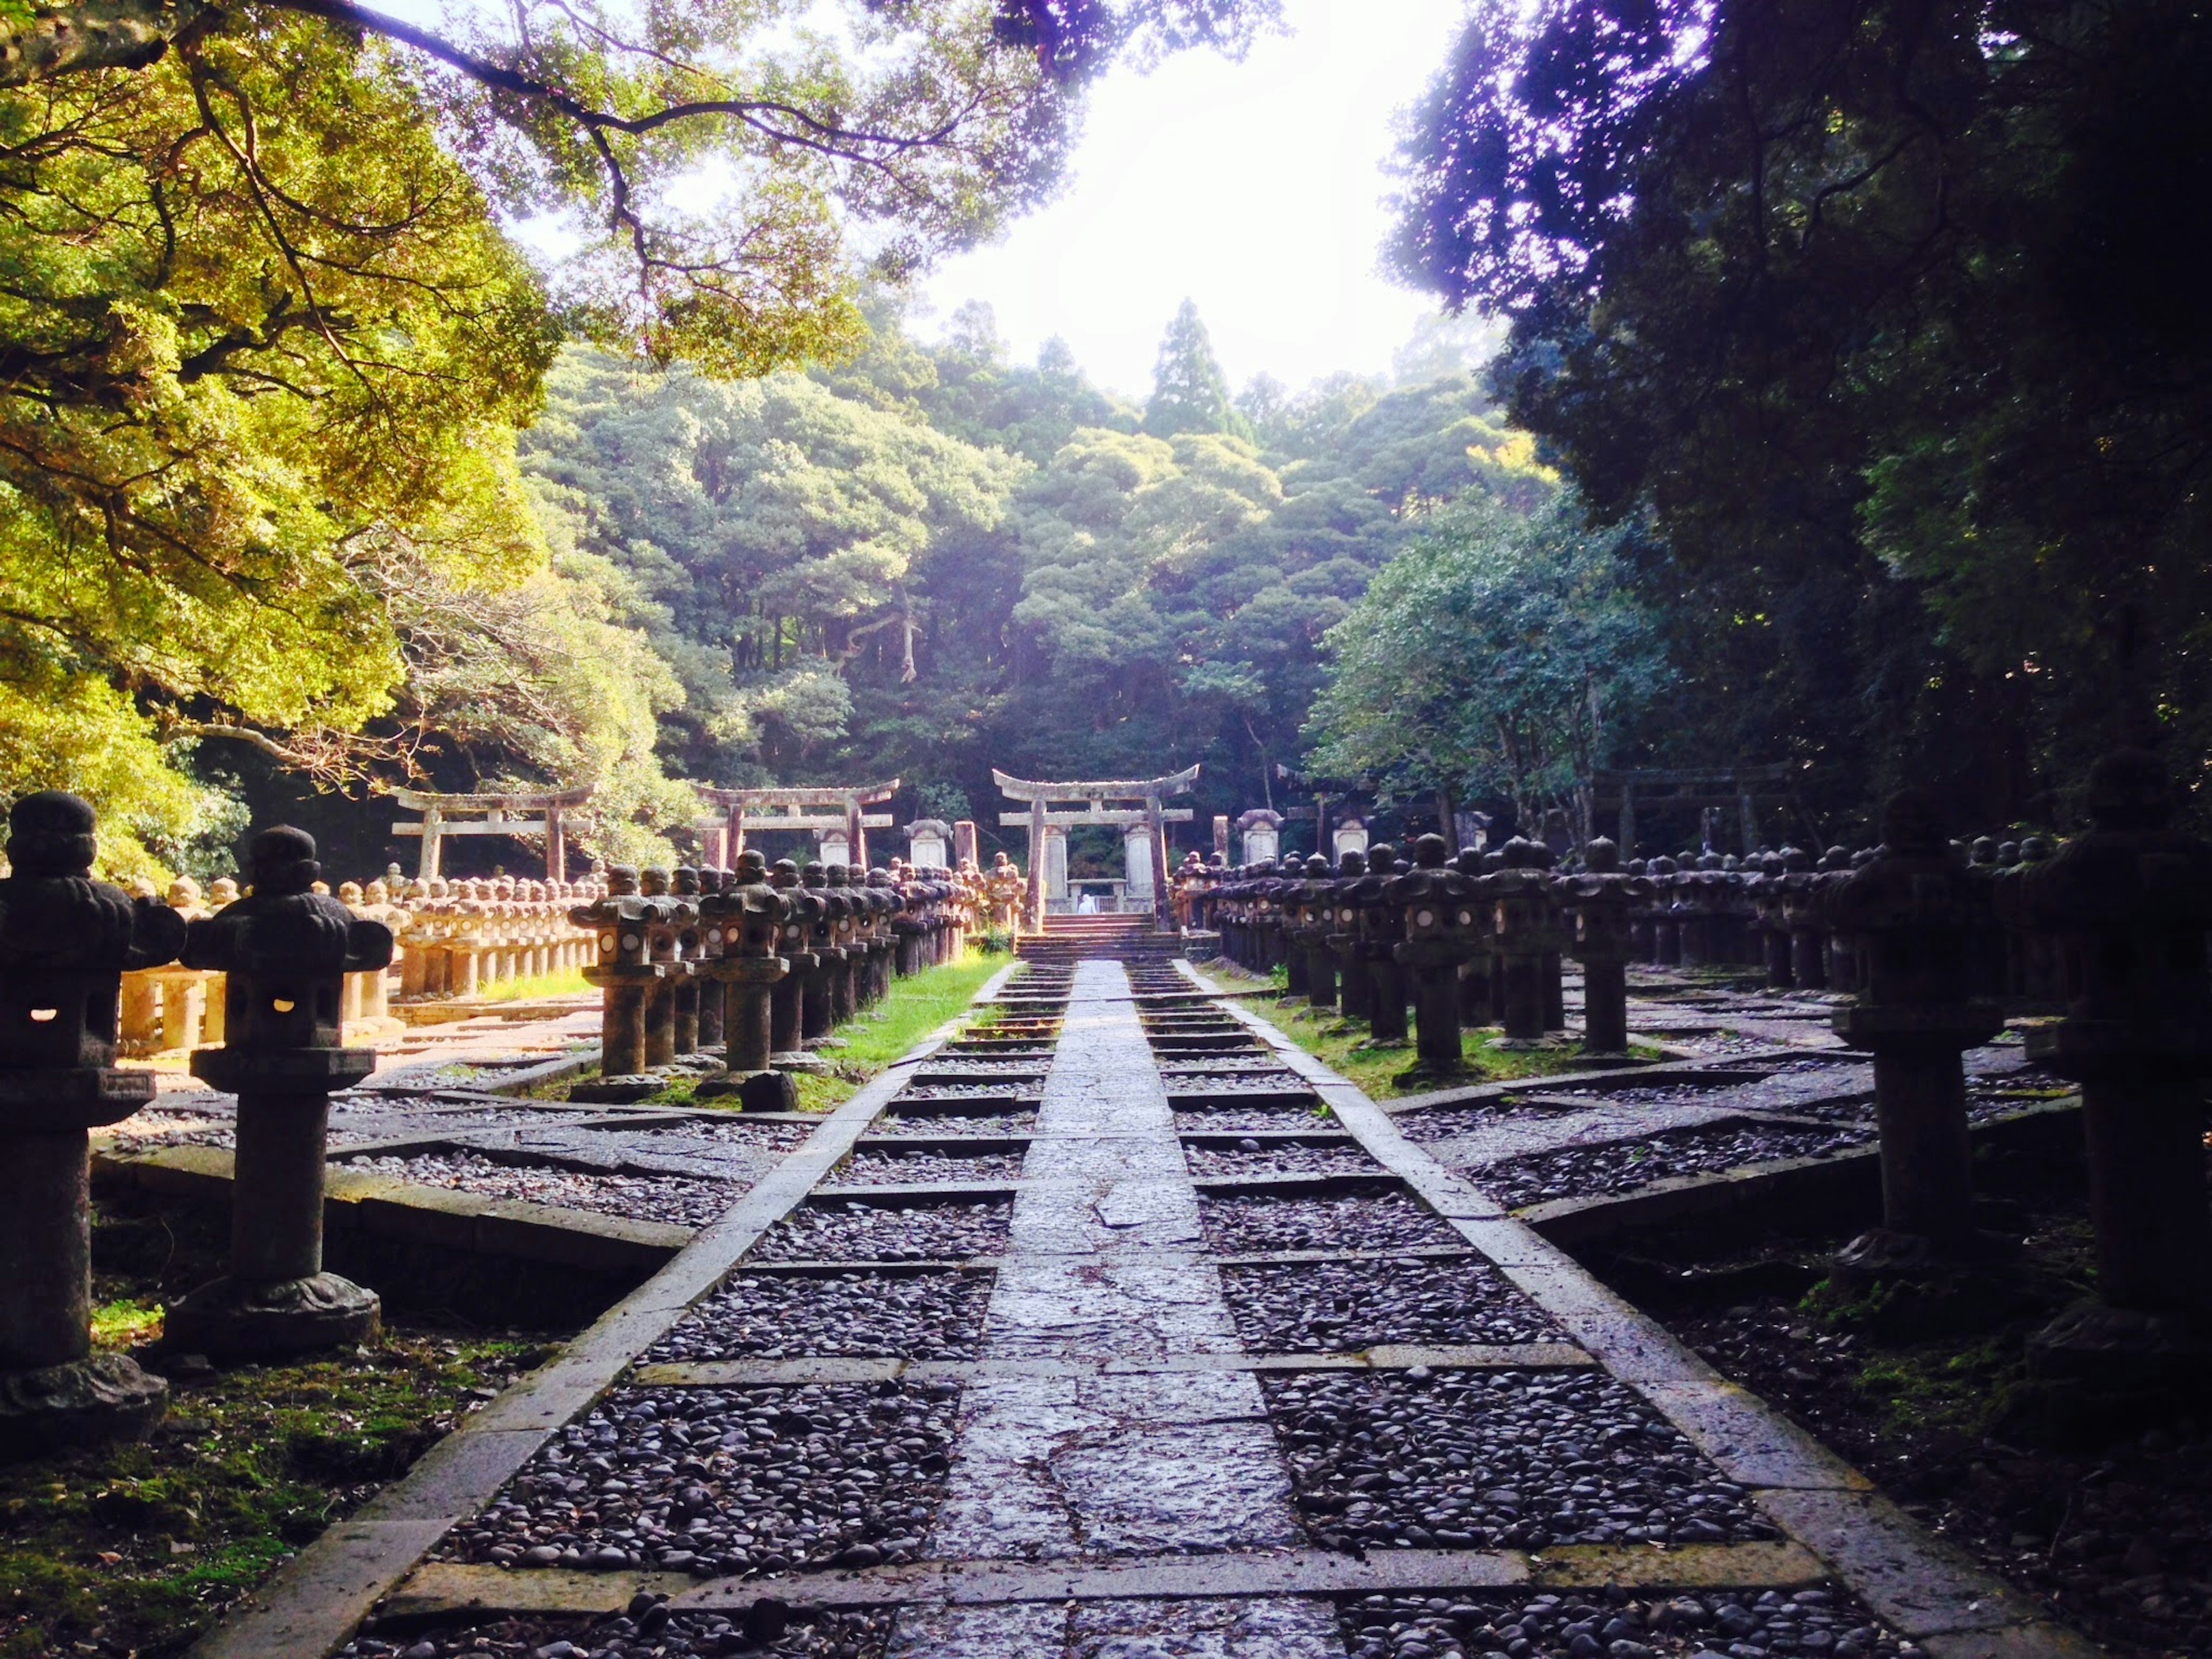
<point>1107,1264</point>
<point>1238,1365</point>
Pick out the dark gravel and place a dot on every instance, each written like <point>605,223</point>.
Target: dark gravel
<point>727,1481</point>
<point>1614,1622</point>
<point>1174,1065</point>
<point>986,1124</point>
<point>1279,1157</point>
<point>731,1130</point>
<point>851,1230</point>
<point>1235,1082</point>
<point>1444,1122</point>
<point>1241,1225</point>
<point>934,1316</point>
<point>672,1200</point>
<point>1243,1119</point>
<point>868,1167</point>
<point>967,1092</point>
<point>1599,1171</point>
<point>650,1631</point>
<point>1520,1459</point>
<point>1329,1307</point>
<point>973,1065</point>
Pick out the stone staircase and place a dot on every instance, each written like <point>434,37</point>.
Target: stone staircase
<point>1098,938</point>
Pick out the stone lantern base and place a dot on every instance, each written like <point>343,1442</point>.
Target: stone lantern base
<point>104,1397</point>
<point>757,1091</point>
<point>231,1319</point>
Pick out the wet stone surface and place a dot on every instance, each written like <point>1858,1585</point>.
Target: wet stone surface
<point>1278,1157</point>
<point>935,1316</point>
<point>649,1631</point>
<point>731,1480</point>
<point>1612,1622</point>
<point>1601,1171</point>
<point>1520,1459</point>
<point>941,1124</point>
<point>852,1231</point>
<point>870,1167</point>
<point>1239,1226</point>
<point>1332,1307</point>
<point>670,1200</point>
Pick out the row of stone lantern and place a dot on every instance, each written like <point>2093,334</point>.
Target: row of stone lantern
<point>758,963</point>
<point>66,940</point>
<point>1475,939</point>
<point>1934,940</point>
<point>462,937</point>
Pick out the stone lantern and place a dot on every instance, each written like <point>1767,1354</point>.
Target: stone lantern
<point>847,949</point>
<point>1309,913</point>
<point>285,950</point>
<point>1601,897</point>
<point>1521,910</point>
<point>689,952</point>
<point>747,922</point>
<point>664,919</point>
<point>1801,914</point>
<point>1443,926</point>
<point>1767,892</point>
<point>2128,905</point>
<point>1381,927</point>
<point>1913,913</point>
<point>625,971</point>
<point>1340,924</point>
<point>795,944</point>
<point>65,942</point>
<point>712,1009</point>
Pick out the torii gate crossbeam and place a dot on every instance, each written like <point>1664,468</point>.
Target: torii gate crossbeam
<point>1093,796</point>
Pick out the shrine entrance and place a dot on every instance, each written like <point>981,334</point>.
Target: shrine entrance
<point>1140,817</point>
<point>839,817</point>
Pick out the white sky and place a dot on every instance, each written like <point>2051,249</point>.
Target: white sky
<point>1253,188</point>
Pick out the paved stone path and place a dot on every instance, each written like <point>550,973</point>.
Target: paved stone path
<point>1274,1411</point>
<point>1107,1263</point>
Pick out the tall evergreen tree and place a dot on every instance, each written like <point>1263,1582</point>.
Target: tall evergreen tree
<point>1189,391</point>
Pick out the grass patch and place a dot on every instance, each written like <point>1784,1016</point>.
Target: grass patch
<point>916,1007</point>
<point>139,1548</point>
<point>569,983</point>
<point>1345,1048</point>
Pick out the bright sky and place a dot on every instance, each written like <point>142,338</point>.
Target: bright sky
<point>1253,188</point>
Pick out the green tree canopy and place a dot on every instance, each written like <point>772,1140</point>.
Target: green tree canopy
<point>1497,654</point>
<point>1189,391</point>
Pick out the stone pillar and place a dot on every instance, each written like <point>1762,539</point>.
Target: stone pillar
<point>286,951</point>
<point>1055,864</point>
<point>1911,911</point>
<point>1602,898</point>
<point>65,942</point>
<point>1139,890</point>
<point>1221,836</point>
<point>1440,925</point>
<point>1262,831</point>
<point>625,972</point>
<point>966,850</point>
<point>2128,905</point>
<point>747,921</point>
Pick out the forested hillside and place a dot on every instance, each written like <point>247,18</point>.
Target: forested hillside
<point>933,561</point>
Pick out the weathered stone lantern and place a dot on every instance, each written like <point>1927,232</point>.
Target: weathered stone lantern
<point>1341,922</point>
<point>286,951</point>
<point>747,921</point>
<point>689,950</point>
<point>1912,912</point>
<point>625,972</point>
<point>1382,928</point>
<point>2129,904</point>
<point>795,944</point>
<point>663,919</point>
<point>1309,919</point>
<point>1803,916</point>
<point>1602,898</point>
<point>1520,906</point>
<point>1443,926</point>
<point>65,941</point>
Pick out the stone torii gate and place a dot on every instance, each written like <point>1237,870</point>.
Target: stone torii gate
<point>1144,826</point>
<point>497,818</point>
<point>831,812</point>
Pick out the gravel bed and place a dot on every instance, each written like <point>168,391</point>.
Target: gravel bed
<point>711,1480</point>
<point>1520,1459</point>
<point>1613,1621</point>
<point>674,1200</point>
<point>731,1127</point>
<point>1243,1225</point>
<point>850,1231</point>
<point>1656,1094</point>
<point>1716,1043</point>
<point>868,1167</point>
<point>1260,1060</point>
<point>1340,1307</point>
<point>648,1629</point>
<point>936,1316</point>
<point>967,1092</point>
<point>1279,1157</point>
<point>1435,1123</point>
<point>948,1124</point>
<point>1243,1119</point>
<point>967,1066</point>
<point>1623,1166</point>
<point>1235,1082</point>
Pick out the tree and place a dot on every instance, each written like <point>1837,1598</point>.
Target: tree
<point>1496,654</point>
<point>1886,312</point>
<point>1189,391</point>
